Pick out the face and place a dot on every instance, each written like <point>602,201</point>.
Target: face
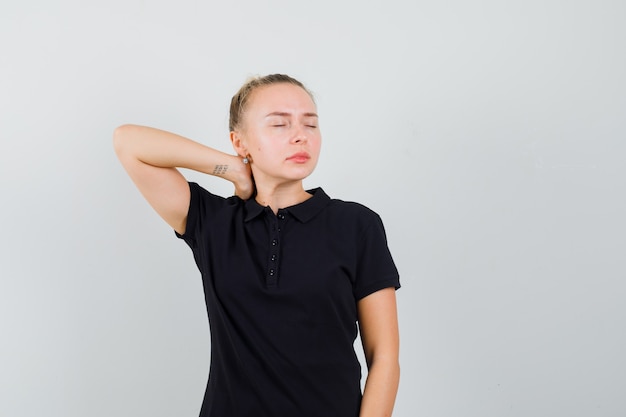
<point>280,133</point>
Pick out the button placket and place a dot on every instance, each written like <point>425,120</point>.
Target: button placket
<point>273,263</point>
<point>271,276</point>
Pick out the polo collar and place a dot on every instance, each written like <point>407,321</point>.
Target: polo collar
<point>303,212</point>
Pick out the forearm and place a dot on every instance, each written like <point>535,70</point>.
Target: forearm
<point>163,149</point>
<point>381,388</point>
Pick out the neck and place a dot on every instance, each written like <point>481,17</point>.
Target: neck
<point>281,196</point>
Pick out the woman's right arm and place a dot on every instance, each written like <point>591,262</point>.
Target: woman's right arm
<point>151,156</point>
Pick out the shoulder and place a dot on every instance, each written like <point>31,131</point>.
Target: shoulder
<point>200,195</point>
<point>208,211</point>
<point>208,208</point>
<point>351,207</point>
<point>348,207</point>
<point>351,213</point>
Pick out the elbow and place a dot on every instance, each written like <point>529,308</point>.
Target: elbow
<point>388,360</point>
<point>120,137</point>
<point>386,368</point>
<point>393,365</point>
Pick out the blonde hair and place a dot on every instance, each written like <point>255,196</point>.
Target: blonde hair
<point>240,100</point>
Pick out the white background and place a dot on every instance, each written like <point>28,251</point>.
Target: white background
<point>489,135</point>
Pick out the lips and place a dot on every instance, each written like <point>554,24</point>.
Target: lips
<point>299,157</point>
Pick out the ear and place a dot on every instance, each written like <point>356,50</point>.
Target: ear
<point>236,138</point>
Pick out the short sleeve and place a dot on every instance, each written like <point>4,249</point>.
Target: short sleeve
<point>375,267</point>
<point>202,207</point>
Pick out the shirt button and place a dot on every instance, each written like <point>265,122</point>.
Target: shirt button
<point>274,242</point>
<point>281,216</point>
<point>271,272</point>
<point>273,257</point>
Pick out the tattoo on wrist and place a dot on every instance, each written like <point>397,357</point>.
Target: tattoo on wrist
<point>220,169</point>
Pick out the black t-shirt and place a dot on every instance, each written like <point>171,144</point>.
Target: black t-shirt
<point>281,292</point>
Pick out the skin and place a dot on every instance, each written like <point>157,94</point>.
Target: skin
<point>378,325</point>
<point>280,121</point>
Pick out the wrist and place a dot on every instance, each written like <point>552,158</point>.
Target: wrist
<point>232,168</point>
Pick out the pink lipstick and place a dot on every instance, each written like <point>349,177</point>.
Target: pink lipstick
<point>299,157</point>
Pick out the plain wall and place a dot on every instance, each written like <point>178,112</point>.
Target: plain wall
<point>489,135</point>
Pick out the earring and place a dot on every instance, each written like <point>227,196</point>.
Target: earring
<point>245,160</point>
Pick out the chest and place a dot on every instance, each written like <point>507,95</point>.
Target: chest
<point>279,261</point>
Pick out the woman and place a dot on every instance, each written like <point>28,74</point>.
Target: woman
<point>287,273</point>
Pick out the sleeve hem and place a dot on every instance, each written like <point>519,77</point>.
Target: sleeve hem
<point>377,286</point>
<point>191,214</point>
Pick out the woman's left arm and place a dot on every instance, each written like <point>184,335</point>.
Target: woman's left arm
<point>378,324</point>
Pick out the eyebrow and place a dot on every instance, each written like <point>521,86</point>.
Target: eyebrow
<point>284,114</point>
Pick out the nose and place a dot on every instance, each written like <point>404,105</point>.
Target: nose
<point>299,135</point>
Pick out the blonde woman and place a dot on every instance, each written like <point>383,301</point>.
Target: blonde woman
<point>289,274</point>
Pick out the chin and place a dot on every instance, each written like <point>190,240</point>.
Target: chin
<point>297,173</point>
<point>302,174</point>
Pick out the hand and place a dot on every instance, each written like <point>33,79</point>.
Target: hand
<point>243,179</point>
